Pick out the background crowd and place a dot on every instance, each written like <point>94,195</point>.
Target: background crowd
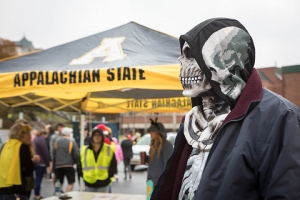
<point>53,153</point>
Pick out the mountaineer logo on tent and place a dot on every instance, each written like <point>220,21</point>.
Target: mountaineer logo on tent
<point>110,48</point>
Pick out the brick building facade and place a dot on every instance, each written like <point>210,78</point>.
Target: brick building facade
<point>284,81</point>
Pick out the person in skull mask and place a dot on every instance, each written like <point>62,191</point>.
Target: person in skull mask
<point>239,141</point>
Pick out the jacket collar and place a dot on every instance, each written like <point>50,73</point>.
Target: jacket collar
<point>251,93</point>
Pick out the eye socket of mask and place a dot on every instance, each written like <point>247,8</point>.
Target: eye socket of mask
<point>187,52</point>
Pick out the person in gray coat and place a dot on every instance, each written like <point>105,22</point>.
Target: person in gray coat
<point>160,151</point>
<point>66,154</point>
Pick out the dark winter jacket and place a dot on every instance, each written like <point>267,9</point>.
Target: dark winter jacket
<point>41,149</point>
<point>86,141</point>
<point>255,155</point>
<point>256,152</point>
<point>126,146</point>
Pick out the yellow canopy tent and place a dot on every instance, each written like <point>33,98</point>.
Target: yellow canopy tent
<point>130,68</point>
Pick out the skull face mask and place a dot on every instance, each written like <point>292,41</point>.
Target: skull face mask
<point>192,78</point>
<point>226,54</point>
<point>201,123</point>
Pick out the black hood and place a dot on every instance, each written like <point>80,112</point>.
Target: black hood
<point>225,52</point>
<point>93,133</point>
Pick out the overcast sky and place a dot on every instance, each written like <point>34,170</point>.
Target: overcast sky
<point>273,24</point>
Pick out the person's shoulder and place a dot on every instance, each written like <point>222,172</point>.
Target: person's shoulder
<point>39,138</point>
<point>23,145</point>
<point>24,148</point>
<point>273,100</point>
<point>84,147</point>
<point>53,137</point>
<point>124,141</point>
<point>63,141</point>
<point>105,146</point>
<point>167,143</point>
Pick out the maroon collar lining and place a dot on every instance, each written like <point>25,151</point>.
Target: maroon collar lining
<point>251,93</point>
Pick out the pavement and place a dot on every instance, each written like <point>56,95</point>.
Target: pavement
<point>137,185</point>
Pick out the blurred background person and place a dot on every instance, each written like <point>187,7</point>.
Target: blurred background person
<point>107,132</point>
<point>66,155</point>
<point>97,163</point>
<point>41,149</point>
<point>86,140</point>
<point>50,132</point>
<point>118,155</point>
<point>160,151</point>
<point>34,133</point>
<point>126,146</point>
<point>53,139</point>
<point>17,161</point>
<point>135,138</point>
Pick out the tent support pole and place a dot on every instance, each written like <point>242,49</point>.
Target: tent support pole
<point>133,131</point>
<point>120,125</point>
<point>91,123</point>
<point>174,116</point>
<point>145,123</point>
<point>82,119</point>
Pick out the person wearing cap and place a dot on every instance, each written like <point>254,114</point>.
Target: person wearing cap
<point>160,151</point>
<point>104,129</point>
<point>66,154</point>
<point>97,163</point>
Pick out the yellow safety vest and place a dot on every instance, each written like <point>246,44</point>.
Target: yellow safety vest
<point>92,170</point>
<point>10,165</point>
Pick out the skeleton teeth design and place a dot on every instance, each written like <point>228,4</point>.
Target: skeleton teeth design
<point>187,82</point>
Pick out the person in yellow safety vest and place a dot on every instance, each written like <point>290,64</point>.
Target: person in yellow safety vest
<point>17,163</point>
<point>97,163</point>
